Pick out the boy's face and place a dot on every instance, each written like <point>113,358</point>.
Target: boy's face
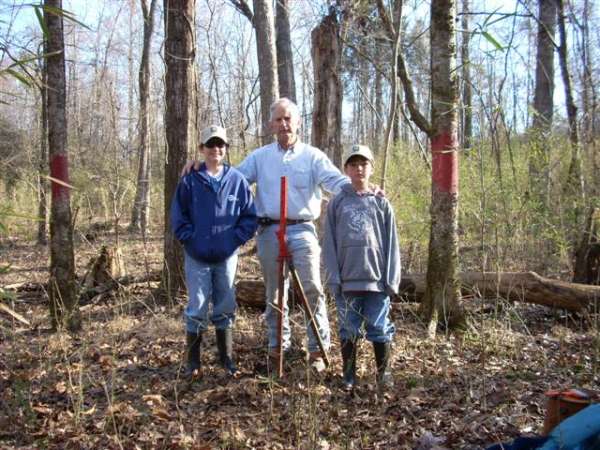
<point>359,169</point>
<point>214,151</point>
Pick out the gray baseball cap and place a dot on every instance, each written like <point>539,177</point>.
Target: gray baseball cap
<point>359,150</point>
<point>213,131</point>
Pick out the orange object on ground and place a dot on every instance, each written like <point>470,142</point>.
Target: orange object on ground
<point>562,404</point>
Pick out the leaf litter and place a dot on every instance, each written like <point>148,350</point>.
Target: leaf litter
<point>118,383</point>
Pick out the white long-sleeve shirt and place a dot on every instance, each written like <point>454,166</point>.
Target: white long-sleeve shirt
<point>308,170</point>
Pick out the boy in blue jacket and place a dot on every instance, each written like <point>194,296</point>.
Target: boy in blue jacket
<point>212,215</point>
<point>362,261</point>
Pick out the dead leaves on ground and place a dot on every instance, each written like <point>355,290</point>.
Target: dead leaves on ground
<point>118,384</point>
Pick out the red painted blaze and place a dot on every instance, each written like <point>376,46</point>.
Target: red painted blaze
<point>59,169</point>
<point>444,162</point>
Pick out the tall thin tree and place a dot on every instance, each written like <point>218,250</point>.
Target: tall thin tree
<point>267,61</point>
<point>179,57</point>
<point>285,57</point>
<point>64,310</point>
<point>141,205</point>
<point>543,104</point>
<point>42,231</point>
<point>574,182</point>
<point>467,112</point>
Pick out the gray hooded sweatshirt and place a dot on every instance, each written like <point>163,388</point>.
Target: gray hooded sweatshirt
<point>360,247</point>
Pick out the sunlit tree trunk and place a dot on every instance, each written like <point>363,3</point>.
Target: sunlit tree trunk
<point>285,58</point>
<point>267,61</point>
<point>574,187</point>
<point>467,113</point>
<point>179,57</point>
<point>378,128</point>
<point>327,106</point>
<point>588,89</point>
<point>543,104</point>
<point>441,304</point>
<point>130,78</point>
<point>42,231</point>
<point>574,183</point>
<point>64,310</point>
<point>141,206</point>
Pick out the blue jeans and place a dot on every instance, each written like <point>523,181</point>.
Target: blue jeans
<point>210,283</point>
<point>303,245</point>
<point>364,311</point>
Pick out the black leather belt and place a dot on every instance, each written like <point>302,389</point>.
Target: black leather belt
<point>268,221</point>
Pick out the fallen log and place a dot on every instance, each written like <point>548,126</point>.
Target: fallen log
<point>25,286</point>
<point>88,294</point>
<point>526,287</point>
<point>14,314</point>
<point>250,293</point>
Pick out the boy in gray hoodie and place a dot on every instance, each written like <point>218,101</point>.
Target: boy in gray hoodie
<point>362,262</point>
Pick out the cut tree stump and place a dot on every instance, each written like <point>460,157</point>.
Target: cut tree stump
<point>104,268</point>
<point>526,287</point>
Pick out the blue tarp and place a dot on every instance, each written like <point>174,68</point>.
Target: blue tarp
<point>581,431</point>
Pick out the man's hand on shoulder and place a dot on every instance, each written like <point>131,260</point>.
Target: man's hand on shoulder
<point>189,166</point>
<point>376,189</point>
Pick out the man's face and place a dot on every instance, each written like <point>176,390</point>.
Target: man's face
<point>285,125</point>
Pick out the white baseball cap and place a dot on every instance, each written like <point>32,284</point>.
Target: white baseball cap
<point>359,150</point>
<point>213,131</point>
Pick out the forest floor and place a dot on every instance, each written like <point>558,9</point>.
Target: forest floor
<point>117,383</point>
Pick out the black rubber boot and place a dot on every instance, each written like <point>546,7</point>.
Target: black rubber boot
<point>382,358</point>
<point>193,342</point>
<point>225,346</point>
<point>349,349</point>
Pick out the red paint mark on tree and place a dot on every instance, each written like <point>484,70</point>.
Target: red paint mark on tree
<point>444,162</point>
<point>59,169</point>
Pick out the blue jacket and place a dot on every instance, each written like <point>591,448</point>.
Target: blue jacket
<point>212,224</point>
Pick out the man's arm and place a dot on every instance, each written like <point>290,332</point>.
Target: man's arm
<point>189,165</point>
<point>248,168</point>
<point>327,175</point>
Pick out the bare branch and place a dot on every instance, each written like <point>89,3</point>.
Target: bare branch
<point>243,7</point>
<point>385,19</point>
<point>416,116</point>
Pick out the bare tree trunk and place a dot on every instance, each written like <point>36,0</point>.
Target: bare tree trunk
<point>267,61</point>
<point>574,187</point>
<point>141,205</point>
<point>574,182</point>
<point>42,231</point>
<point>543,104</point>
<point>285,58</point>
<point>130,82</point>
<point>64,310</point>
<point>467,112</point>
<point>394,97</point>
<point>179,57</point>
<point>327,102</point>
<point>588,88</point>
<point>441,303</point>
